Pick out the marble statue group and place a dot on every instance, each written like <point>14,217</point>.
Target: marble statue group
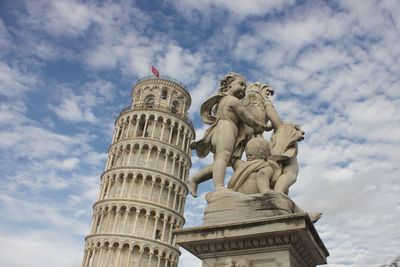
<point>238,115</point>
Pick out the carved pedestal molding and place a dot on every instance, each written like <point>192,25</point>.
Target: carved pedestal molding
<point>143,188</point>
<point>281,241</point>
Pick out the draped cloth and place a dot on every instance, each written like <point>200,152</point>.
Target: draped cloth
<point>241,175</point>
<point>203,146</point>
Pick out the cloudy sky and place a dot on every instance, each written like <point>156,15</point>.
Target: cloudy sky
<point>67,68</point>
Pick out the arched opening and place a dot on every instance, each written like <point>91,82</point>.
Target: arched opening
<point>174,106</point>
<point>150,101</point>
<point>164,93</point>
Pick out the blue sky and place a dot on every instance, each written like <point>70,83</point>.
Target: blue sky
<point>67,68</point>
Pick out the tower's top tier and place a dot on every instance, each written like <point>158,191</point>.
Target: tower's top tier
<point>162,93</point>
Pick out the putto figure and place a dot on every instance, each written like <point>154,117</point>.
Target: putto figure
<point>226,136</point>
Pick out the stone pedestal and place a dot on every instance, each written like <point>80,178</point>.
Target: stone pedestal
<point>281,241</point>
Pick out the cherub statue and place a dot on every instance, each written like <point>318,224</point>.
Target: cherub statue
<point>225,137</point>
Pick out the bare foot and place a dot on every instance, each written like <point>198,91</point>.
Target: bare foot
<point>193,187</point>
<point>221,188</point>
<point>315,216</point>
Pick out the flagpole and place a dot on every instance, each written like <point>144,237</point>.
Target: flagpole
<point>148,70</point>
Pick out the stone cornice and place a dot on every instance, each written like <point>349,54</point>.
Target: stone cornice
<point>138,201</point>
<point>121,237</point>
<point>144,169</point>
<point>147,140</point>
<point>186,120</point>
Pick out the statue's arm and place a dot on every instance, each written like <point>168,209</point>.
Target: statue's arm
<point>273,114</point>
<point>245,116</point>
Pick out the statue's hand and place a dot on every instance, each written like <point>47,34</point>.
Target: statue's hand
<point>259,129</point>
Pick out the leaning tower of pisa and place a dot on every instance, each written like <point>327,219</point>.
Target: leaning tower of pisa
<point>143,188</point>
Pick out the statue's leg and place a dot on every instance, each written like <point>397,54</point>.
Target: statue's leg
<point>263,179</point>
<point>202,176</point>
<point>223,143</point>
<point>219,168</point>
<point>288,177</point>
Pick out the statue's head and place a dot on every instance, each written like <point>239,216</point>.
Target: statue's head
<point>262,88</point>
<point>257,148</point>
<point>228,79</point>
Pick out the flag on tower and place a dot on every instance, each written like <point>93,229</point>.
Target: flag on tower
<point>155,72</point>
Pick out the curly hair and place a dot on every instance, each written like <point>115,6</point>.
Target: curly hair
<point>258,146</point>
<point>227,80</point>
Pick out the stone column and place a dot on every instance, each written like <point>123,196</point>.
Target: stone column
<point>170,133</point>
<point>129,127</point>
<point>130,251</point>
<point>173,164</point>
<point>179,169</point>
<point>156,218</point>
<point>184,140</point>
<point>137,127</point>
<point>135,222</point>
<point>130,155</point>
<point>148,158</point>
<point>178,133</point>
<point>118,257</point>
<point>123,186</point>
<point>158,260</point>
<point>145,223</point>
<point>162,131</point>
<point>165,162</point>
<point>158,157</point>
<point>150,258</point>
<point>145,127</point>
<point>139,153</point>
<point>175,197</point>
<point>165,220</point>
<point>161,191</point>
<point>154,128</point>
<point>116,221</point>
<point>133,186</point>
<point>140,257</point>
<point>123,229</point>
<point>86,256</point>
<point>153,181</point>
<point>171,226</point>
<point>99,257</point>
<point>169,194</point>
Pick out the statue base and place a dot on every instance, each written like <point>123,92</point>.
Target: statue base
<point>228,206</point>
<point>283,240</point>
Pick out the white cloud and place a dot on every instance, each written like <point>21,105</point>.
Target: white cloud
<point>14,82</point>
<point>4,36</point>
<point>39,248</point>
<point>236,7</point>
<point>59,17</point>
<point>80,107</point>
